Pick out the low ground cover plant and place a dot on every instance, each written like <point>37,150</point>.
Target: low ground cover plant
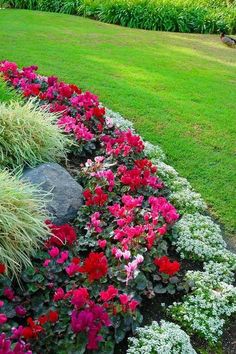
<point>166,338</point>
<point>88,281</point>
<point>202,16</point>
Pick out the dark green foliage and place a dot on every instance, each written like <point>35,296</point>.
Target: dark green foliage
<point>201,16</point>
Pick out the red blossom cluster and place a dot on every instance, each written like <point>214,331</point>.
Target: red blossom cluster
<point>140,176</point>
<point>80,112</point>
<point>123,144</point>
<point>95,266</point>
<point>61,235</point>
<point>98,197</point>
<point>166,266</point>
<point>124,304</point>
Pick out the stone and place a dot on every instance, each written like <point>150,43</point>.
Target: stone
<point>66,195</point>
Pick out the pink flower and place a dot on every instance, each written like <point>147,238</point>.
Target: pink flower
<point>58,295</point>
<point>162,230</point>
<point>1,303</point>
<point>69,123</point>
<point>63,257</point>
<point>80,297</point>
<point>20,310</point>
<point>54,252</point>
<point>3,318</point>
<point>102,243</point>
<point>46,262</point>
<point>126,254</point>
<point>96,222</point>
<point>9,293</point>
<point>72,269</point>
<point>118,254</point>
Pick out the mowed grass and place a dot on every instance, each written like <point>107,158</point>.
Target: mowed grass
<point>178,89</point>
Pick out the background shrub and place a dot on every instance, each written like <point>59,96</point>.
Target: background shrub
<point>22,217</point>
<point>27,136</point>
<point>195,16</point>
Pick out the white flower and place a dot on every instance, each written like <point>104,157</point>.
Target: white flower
<point>166,338</point>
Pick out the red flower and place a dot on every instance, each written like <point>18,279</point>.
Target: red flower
<point>96,198</point>
<point>98,112</point>
<point>109,294</point>
<point>61,235</point>
<point>27,333</point>
<point>2,268</point>
<point>133,305</point>
<point>43,319</point>
<point>166,266</point>
<point>95,265</point>
<point>76,260</point>
<point>53,316</point>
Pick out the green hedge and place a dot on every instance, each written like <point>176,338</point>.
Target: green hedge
<point>194,16</point>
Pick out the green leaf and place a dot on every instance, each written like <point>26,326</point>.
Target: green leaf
<point>160,289</point>
<point>119,335</point>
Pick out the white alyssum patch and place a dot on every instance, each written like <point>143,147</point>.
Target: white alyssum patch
<point>182,195</point>
<point>166,338</point>
<point>221,271</point>
<point>206,309</point>
<point>196,236</point>
<point>154,152</point>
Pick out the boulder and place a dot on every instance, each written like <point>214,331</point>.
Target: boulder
<point>66,195</point>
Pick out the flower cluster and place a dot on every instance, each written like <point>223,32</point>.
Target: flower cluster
<point>124,222</point>
<point>80,113</point>
<point>166,338</point>
<point>13,345</point>
<point>205,310</point>
<point>198,237</point>
<point>123,143</point>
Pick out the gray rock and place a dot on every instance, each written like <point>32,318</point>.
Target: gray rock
<point>66,194</point>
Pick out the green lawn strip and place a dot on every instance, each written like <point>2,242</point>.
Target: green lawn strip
<point>178,89</point>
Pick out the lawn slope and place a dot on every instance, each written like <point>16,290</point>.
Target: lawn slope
<point>179,89</point>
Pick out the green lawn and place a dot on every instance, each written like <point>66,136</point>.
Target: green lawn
<point>179,89</point>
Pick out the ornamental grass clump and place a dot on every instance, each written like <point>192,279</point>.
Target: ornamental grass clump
<point>22,226</point>
<point>28,136</point>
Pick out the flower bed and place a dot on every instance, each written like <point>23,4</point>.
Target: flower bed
<point>87,282</point>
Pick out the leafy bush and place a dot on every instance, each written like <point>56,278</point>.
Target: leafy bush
<point>27,136</point>
<point>164,15</point>
<point>201,16</point>
<point>166,338</point>
<point>22,219</point>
